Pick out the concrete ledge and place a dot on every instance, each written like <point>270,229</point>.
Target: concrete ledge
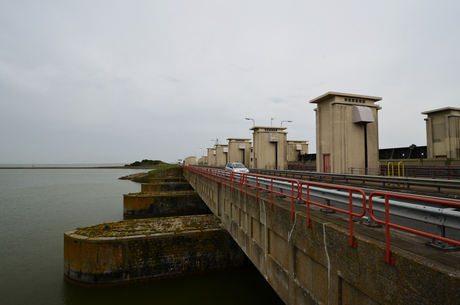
<point>147,249</point>
<point>165,187</point>
<point>163,204</point>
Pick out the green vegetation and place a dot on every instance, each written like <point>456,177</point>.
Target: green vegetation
<point>163,168</point>
<point>146,163</point>
<point>145,177</point>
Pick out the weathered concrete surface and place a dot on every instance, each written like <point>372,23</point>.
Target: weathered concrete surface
<point>163,204</point>
<point>167,179</point>
<point>165,187</point>
<point>149,249</point>
<point>169,175</point>
<point>317,266</point>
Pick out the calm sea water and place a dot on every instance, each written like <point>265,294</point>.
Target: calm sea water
<point>38,205</point>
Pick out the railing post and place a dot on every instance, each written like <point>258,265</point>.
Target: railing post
<point>292,198</point>
<point>257,189</point>
<point>388,259</point>
<point>309,224</point>
<point>271,193</point>
<point>352,242</point>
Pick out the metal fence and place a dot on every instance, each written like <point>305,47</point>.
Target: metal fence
<point>442,214</point>
<point>430,171</point>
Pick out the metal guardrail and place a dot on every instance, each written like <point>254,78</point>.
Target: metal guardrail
<point>431,212</point>
<point>401,182</point>
<point>432,171</point>
<point>454,219</point>
<point>443,214</point>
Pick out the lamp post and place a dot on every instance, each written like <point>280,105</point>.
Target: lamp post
<point>202,156</point>
<point>285,121</point>
<point>271,123</point>
<point>253,121</point>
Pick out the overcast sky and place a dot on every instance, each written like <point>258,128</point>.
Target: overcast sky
<point>120,81</point>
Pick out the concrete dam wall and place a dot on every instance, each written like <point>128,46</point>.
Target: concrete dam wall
<point>315,264</point>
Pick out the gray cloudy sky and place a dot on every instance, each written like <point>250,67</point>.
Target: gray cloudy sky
<point>120,81</point>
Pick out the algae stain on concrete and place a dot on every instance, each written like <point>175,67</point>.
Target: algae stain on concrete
<point>151,226</point>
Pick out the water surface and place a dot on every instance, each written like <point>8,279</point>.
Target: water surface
<point>38,205</point>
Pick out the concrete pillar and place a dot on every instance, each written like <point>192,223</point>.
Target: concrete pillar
<point>443,133</point>
<point>212,157</point>
<point>294,148</point>
<point>190,160</point>
<point>347,133</point>
<point>269,147</point>
<point>221,154</point>
<point>238,150</point>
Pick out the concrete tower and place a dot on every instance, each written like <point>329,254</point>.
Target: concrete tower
<point>443,133</point>
<point>269,147</point>
<point>347,133</point>
<point>238,150</point>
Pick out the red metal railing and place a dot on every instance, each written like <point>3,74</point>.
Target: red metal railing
<point>349,212</point>
<point>388,224</point>
<point>294,186</point>
<point>228,178</point>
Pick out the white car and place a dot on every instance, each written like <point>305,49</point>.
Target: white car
<point>236,167</point>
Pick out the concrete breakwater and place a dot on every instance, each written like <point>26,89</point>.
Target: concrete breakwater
<point>148,249</point>
<point>164,204</point>
<point>152,248</point>
<point>167,194</point>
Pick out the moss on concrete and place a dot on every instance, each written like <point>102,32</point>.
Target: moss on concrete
<point>151,226</point>
<point>164,194</point>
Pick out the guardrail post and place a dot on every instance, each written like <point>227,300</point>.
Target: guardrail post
<point>327,210</point>
<point>370,222</point>
<point>442,245</point>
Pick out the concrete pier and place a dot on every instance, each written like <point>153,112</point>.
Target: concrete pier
<point>165,187</point>
<point>146,249</point>
<point>167,194</point>
<point>163,204</point>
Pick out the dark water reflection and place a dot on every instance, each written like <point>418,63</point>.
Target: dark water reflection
<point>243,286</point>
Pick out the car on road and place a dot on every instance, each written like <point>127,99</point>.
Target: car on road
<point>236,167</point>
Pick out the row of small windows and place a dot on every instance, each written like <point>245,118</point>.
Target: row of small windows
<point>354,100</point>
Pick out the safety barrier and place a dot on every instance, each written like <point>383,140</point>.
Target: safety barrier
<point>304,190</point>
<point>369,179</point>
<point>258,182</point>
<point>350,198</point>
<point>432,171</point>
<point>301,167</point>
<point>388,224</point>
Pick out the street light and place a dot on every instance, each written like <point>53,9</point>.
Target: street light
<point>271,123</point>
<point>253,121</point>
<point>202,155</point>
<point>285,121</point>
